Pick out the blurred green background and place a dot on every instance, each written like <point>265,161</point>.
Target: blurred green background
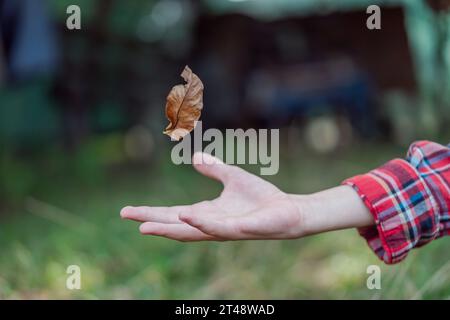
<point>81,115</point>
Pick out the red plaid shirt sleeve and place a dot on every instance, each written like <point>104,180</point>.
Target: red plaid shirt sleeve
<point>409,200</point>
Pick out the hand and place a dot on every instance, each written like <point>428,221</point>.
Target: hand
<point>251,208</point>
<point>248,208</point>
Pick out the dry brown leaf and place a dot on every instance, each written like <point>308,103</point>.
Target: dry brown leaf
<point>184,105</point>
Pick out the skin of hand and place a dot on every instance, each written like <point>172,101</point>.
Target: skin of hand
<point>251,208</point>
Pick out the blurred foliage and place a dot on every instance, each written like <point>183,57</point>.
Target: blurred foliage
<point>27,114</point>
<point>22,176</point>
<point>69,221</point>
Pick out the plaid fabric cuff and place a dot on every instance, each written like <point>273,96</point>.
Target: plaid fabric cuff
<point>404,209</point>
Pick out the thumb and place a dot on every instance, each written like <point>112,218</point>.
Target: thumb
<point>211,166</point>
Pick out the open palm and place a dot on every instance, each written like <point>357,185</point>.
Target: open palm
<point>248,208</point>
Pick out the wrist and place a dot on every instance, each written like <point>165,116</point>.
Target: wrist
<point>332,209</point>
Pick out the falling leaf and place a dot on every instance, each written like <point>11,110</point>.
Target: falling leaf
<point>184,105</point>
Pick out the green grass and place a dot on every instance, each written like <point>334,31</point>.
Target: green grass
<point>68,218</point>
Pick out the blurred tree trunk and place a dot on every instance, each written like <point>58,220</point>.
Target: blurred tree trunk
<point>2,61</point>
<point>441,10</point>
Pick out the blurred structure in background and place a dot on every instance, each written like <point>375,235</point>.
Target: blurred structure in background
<point>28,39</point>
<point>298,67</point>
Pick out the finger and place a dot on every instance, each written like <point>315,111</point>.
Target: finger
<point>251,225</point>
<point>225,228</point>
<point>211,166</point>
<point>155,214</point>
<point>180,232</point>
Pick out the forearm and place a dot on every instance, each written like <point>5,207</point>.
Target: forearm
<point>408,200</point>
<point>332,209</point>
